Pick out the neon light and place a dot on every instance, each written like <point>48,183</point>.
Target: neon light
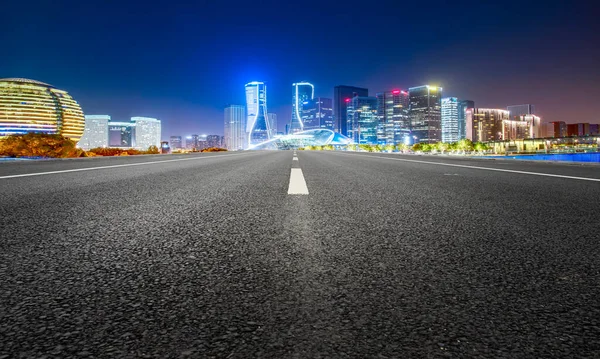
<point>395,92</point>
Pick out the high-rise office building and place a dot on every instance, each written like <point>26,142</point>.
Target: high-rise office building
<point>235,128</point>
<point>318,113</point>
<point>192,142</point>
<point>147,132</point>
<point>362,119</point>
<point>213,141</point>
<point>95,134</point>
<point>463,105</point>
<point>484,125</point>
<point>175,143</point>
<point>392,110</point>
<point>425,113</point>
<point>257,126</point>
<point>450,127</point>
<point>520,110</point>
<point>272,117</point>
<point>303,92</point>
<point>341,97</point>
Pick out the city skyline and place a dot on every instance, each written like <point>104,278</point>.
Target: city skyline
<point>495,60</point>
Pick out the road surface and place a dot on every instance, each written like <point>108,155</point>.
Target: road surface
<point>331,254</point>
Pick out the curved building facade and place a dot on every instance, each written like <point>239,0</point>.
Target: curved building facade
<point>33,106</point>
<point>257,125</point>
<point>303,92</point>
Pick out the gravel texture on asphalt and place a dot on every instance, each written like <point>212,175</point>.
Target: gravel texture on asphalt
<point>383,259</point>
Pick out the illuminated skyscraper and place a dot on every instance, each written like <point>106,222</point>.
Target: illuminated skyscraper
<point>318,113</point>
<point>235,128</point>
<point>213,141</point>
<point>95,134</point>
<point>463,105</point>
<point>392,110</point>
<point>362,119</point>
<point>257,126</point>
<point>302,93</point>
<point>450,130</point>
<point>341,97</point>
<point>425,113</point>
<point>147,132</point>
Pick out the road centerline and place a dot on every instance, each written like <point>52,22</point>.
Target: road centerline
<point>297,183</point>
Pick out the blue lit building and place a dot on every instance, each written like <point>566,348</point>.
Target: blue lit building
<point>257,124</point>
<point>318,113</point>
<point>362,120</point>
<point>303,92</point>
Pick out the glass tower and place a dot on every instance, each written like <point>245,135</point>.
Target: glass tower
<point>235,128</point>
<point>392,110</point>
<point>175,142</point>
<point>257,126</point>
<point>462,117</point>
<point>95,134</point>
<point>318,113</point>
<point>147,132</point>
<point>341,97</point>
<point>450,128</point>
<point>362,119</point>
<point>425,113</point>
<point>303,92</point>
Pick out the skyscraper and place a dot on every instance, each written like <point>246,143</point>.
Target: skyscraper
<point>95,133</point>
<point>318,113</point>
<point>302,93</point>
<point>392,110</point>
<point>175,143</point>
<point>463,105</point>
<point>257,126</point>
<point>362,119</point>
<point>484,124</point>
<point>450,127</point>
<point>213,141</point>
<point>235,128</point>
<point>425,113</point>
<point>341,97</point>
<point>147,132</point>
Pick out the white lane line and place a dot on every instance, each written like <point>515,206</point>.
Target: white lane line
<point>492,169</point>
<point>295,159</point>
<point>111,166</point>
<point>297,182</point>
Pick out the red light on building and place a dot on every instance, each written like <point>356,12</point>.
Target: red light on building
<point>347,100</point>
<point>395,92</point>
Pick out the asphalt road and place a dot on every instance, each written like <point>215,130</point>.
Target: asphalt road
<point>387,256</point>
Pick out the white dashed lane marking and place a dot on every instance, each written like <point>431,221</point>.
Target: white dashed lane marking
<point>297,182</point>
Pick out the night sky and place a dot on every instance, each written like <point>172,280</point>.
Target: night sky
<point>183,62</point>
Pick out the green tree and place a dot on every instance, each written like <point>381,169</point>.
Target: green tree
<point>389,148</point>
<point>442,147</point>
<point>417,147</point>
<point>465,145</point>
